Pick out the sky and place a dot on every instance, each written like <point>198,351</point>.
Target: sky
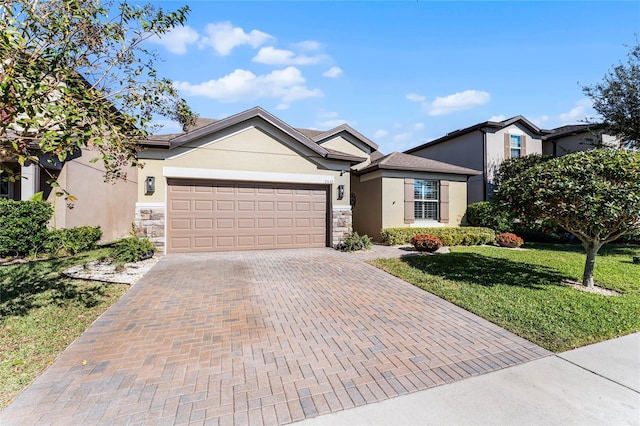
<point>401,72</point>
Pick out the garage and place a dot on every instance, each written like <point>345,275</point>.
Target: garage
<point>221,216</point>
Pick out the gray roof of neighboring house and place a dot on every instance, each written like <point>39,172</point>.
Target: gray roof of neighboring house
<point>484,125</point>
<point>407,162</point>
<point>572,129</point>
<point>308,137</point>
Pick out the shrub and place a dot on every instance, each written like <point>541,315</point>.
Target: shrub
<point>23,227</point>
<point>464,235</point>
<point>507,239</point>
<point>354,242</point>
<point>426,242</point>
<point>131,249</point>
<point>73,240</point>
<point>488,215</point>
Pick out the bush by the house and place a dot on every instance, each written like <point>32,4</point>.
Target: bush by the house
<point>73,240</point>
<point>354,242</point>
<point>23,227</point>
<point>488,215</point>
<point>131,249</point>
<point>466,235</point>
<point>426,242</point>
<point>507,239</point>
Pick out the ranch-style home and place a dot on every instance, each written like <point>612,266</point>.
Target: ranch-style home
<point>251,181</point>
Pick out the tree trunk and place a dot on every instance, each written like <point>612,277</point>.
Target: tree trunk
<point>589,266</point>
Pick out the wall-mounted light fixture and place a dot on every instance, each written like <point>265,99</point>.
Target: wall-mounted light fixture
<point>149,185</point>
<point>340,192</point>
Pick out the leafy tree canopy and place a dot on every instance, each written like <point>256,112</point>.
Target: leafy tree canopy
<point>76,74</point>
<point>617,99</point>
<point>594,194</point>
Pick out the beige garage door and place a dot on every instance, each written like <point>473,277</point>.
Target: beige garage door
<point>219,216</point>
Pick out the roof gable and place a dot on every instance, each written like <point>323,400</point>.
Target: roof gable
<point>211,126</point>
<point>486,125</point>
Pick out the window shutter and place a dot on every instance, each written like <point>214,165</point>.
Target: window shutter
<point>523,146</point>
<point>507,147</point>
<point>409,212</point>
<point>444,201</point>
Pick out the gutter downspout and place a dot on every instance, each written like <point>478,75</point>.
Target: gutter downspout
<point>484,164</point>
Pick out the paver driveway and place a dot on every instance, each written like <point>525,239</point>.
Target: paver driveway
<point>262,337</point>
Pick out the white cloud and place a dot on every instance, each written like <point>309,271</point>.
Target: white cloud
<point>224,37</point>
<point>176,40</point>
<point>577,113</point>
<point>414,97</point>
<point>332,72</point>
<point>497,118</point>
<point>380,133</point>
<point>272,56</point>
<point>458,102</point>
<point>330,124</point>
<point>328,114</point>
<point>402,137</point>
<point>539,121</point>
<point>418,126</point>
<point>308,45</point>
<point>287,85</point>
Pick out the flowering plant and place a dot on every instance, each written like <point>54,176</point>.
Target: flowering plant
<point>426,242</point>
<point>507,239</point>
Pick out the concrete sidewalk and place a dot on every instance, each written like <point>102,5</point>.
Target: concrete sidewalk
<point>594,385</point>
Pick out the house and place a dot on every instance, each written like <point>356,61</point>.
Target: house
<point>576,137</point>
<point>484,146</point>
<point>251,181</point>
<point>109,205</point>
<point>400,190</point>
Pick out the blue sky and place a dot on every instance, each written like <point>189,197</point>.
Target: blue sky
<point>401,73</point>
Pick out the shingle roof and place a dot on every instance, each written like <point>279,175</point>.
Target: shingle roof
<point>572,129</point>
<point>407,162</point>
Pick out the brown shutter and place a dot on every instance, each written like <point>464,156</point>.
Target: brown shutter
<point>523,146</point>
<point>444,201</point>
<point>507,147</point>
<point>409,212</point>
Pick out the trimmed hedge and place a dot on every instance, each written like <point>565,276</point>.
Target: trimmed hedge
<point>487,215</point>
<point>462,236</point>
<point>23,227</point>
<point>131,249</point>
<point>74,240</point>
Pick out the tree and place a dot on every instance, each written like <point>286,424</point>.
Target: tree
<point>75,74</point>
<point>617,99</point>
<point>595,195</point>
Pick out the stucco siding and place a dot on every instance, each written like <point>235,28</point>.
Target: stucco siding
<point>249,149</point>
<point>463,151</point>
<point>341,144</point>
<point>457,203</point>
<point>367,213</point>
<point>109,205</point>
<point>393,202</point>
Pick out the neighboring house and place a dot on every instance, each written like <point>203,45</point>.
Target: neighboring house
<point>109,205</point>
<point>251,181</point>
<point>483,147</point>
<point>576,137</point>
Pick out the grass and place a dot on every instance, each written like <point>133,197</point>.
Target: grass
<point>522,290</point>
<point>41,313</point>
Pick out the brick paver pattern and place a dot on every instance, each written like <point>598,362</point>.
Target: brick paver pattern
<point>262,337</point>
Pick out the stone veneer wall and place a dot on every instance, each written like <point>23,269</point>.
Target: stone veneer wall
<point>342,224</point>
<point>150,224</point>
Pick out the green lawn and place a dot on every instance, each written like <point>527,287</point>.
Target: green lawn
<point>522,290</point>
<point>41,313</point>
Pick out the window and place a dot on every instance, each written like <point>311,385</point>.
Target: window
<point>4,188</point>
<point>515,142</point>
<point>426,199</point>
